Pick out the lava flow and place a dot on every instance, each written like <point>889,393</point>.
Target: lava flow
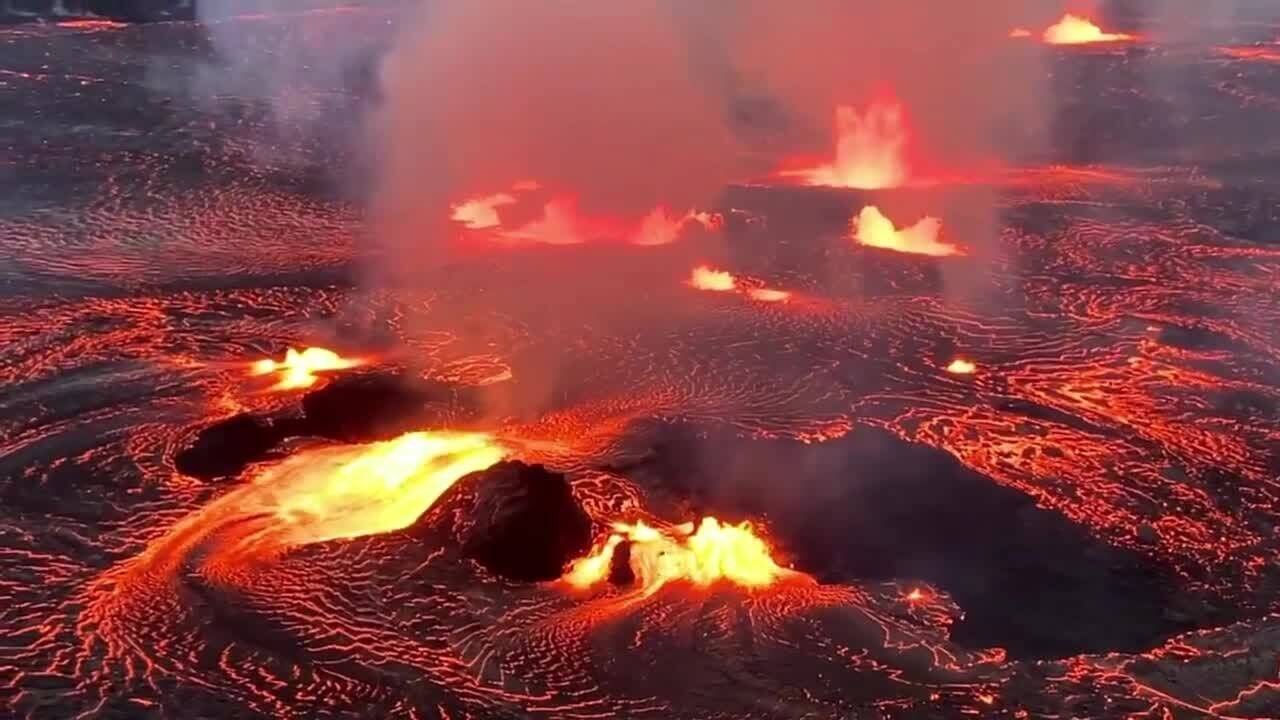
<point>298,369</point>
<point>869,150</point>
<point>712,553</point>
<point>873,229</point>
<point>338,492</point>
<point>1075,30</point>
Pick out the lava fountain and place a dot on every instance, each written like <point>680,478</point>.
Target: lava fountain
<point>1075,30</point>
<point>298,369</point>
<point>714,552</point>
<point>704,278</point>
<point>873,229</point>
<point>870,150</point>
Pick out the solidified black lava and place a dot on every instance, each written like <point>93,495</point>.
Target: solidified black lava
<point>525,524</point>
<point>226,447</point>
<point>352,409</point>
<point>364,408</point>
<point>872,506</point>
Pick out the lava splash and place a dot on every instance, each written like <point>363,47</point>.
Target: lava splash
<point>873,229</point>
<point>712,553</point>
<point>298,369</point>
<point>870,150</point>
<point>1075,30</point>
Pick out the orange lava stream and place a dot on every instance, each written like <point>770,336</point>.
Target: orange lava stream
<point>1075,30</point>
<point>298,369</point>
<point>1263,53</point>
<point>712,553</point>
<point>873,229</point>
<point>869,150</point>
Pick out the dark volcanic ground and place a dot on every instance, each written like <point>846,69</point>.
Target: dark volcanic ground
<point>1086,527</point>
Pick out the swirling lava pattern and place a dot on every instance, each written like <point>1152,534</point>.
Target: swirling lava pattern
<point>1122,325</point>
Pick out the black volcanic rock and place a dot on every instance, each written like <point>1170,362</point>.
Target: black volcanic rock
<point>361,408</point>
<point>127,10</point>
<point>364,408</point>
<point>526,524</point>
<point>871,506</point>
<point>226,447</point>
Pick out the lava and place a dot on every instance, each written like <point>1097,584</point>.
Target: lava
<point>960,366</point>
<point>1263,53</point>
<point>873,229</point>
<point>870,150</point>
<point>298,369</point>
<point>481,213</point>
<point>1075,30</point>
<point>527,213</point>
<point>768,295</point>
<point>704,278</point>
<point>340,492</point>
<point>714,552</point>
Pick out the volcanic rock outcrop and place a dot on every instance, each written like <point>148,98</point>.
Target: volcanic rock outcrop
<point>525,524</point>
<point>362,408</point>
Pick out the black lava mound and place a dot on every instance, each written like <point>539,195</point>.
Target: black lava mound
<point>525,524</point>
<point>362,408</point>
<point>871,506</point>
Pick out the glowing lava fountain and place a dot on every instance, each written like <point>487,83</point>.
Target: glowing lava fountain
<point>873,229</point>
<point>298,369</point>
<point>704,278</point>
<point>712,553</point>
<point>1075,30</point>
<point>869,150</point>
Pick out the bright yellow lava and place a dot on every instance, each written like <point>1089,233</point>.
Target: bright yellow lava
<point>714,552</point>
<point>960,366</point>
<point>351,491</point>
<point>873,229</point>
<point>1075,30</point>
<point>298,369</point>
<point>704,278</point>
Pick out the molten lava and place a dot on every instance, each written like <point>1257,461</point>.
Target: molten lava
<point>869,150</point>
<point>298,369</point>
<point>704,278</point>
<point>352,491</point>
<point>1075,30</point>
<point>527,213</point>
<point>960,366</point>
<point>768,295</point>
<point>873,229</point>
<point>712,553</point>
<point>481,213</point>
